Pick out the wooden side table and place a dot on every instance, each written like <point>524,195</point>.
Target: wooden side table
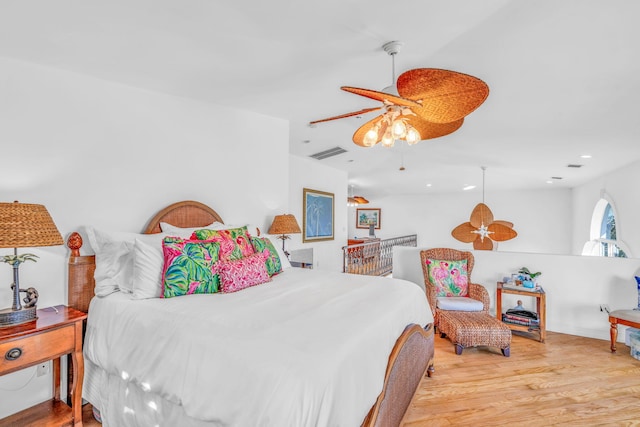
<point>56,332</point>
<point>541,309</point>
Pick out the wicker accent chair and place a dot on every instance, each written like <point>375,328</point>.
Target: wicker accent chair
<point>476,291</point>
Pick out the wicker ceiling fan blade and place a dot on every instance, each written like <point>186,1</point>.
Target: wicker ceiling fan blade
<point>430,130</point>
<point>358,136</point>
<point>481,215</point>
<point>485,244</point>
<point>500,221</point>
<point>445,96</point>
<point>382,96</point>
<point>465,233</point>
<point>500,232</point>
<point>343,116</point>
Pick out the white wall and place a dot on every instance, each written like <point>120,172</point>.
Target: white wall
<point>108,155</point>
<point>310,173</point>
<point>542,219</point>
<point>620,186</point>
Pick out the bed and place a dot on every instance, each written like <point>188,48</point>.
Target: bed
<point>309,347</point>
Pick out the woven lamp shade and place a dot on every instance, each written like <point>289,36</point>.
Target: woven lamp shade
<point>284,224</point>
<point>27,225</point>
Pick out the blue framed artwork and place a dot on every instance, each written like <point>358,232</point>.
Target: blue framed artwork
<point>317,220</point>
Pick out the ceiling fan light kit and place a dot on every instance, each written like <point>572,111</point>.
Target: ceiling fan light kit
<point>424,103</point>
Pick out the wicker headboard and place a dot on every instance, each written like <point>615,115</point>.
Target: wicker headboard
<point>81,267</point>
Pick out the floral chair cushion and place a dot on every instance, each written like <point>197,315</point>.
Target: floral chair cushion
<point>450,278</point>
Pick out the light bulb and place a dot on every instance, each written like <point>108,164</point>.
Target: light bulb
<point>413,136</point>
<point>398,129</point>
<point>387,139</point>
<point>371,137</point>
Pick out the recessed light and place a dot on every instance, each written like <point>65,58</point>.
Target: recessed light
<point>468,187</point>
<point>586,156</point>
<point>428,185</point>
<point>549,182</point>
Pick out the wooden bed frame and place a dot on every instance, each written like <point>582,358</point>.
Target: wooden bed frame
<point>410,358</point>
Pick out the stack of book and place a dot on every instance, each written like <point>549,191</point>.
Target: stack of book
<point>520,319</point>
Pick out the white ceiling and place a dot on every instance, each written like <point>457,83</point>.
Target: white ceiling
<point>564,75</point>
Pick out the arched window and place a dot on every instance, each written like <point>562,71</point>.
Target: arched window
<point>604,232</point>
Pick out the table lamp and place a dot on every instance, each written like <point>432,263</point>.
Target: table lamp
<point>24,225</point>
<point>284,224</point>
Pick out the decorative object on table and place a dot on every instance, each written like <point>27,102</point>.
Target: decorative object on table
<point>638,285</point>
<point>284,225</point>
<point>528,279</point>
<point>424,103</point>
<point>318,212</point>
<point>365,217</point>
<point>482,229</point>
<point>24,225</point>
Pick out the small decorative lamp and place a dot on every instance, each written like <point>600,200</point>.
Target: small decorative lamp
<point>24,225</point>
<point>284,224</point>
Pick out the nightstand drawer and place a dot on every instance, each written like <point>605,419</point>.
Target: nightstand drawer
<point>36,348</point>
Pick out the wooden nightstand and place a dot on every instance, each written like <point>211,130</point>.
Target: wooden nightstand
<point>56,332</point>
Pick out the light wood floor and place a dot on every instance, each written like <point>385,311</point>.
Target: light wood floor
<point>568,380</point>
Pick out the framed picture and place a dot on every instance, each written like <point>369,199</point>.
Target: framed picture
<point>317,218</point>
<point>365,217</point>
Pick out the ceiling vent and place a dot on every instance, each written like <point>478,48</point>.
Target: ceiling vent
<point>556,177</point>
<point>574,166</point>
<point>328,153</point>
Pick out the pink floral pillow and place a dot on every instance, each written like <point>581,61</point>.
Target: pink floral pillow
<point>243,273</point>
<point>235,243</point>
<point>450,278</point>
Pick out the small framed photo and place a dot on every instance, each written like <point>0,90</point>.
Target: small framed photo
<point>317,221</point>
<point>366,217</point>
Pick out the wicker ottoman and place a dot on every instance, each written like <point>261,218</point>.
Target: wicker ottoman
<point>471,329</point>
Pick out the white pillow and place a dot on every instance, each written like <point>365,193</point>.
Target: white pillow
<point>183,232</point>
<point>253,230</point>
<point>114,258</point>
<point>459,304</point>
<point>148,261</point>
<point>112,268</point>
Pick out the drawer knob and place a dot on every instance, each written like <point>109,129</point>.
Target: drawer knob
<point>13,354</point>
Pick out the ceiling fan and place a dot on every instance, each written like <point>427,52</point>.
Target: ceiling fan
<point>427,103</point>
<point>482,229</point>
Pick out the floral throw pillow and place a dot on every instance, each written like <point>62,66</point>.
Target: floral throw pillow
<point>243,273</point>
<point>450,278</point>
<point>272,260</point>
<point>188,267</point>
<point>235,243</point>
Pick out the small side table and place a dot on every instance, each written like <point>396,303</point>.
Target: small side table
<point>541,309</point>
<point>57,331</point>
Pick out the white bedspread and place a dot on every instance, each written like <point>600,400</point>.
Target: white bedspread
<point>308,348</point>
